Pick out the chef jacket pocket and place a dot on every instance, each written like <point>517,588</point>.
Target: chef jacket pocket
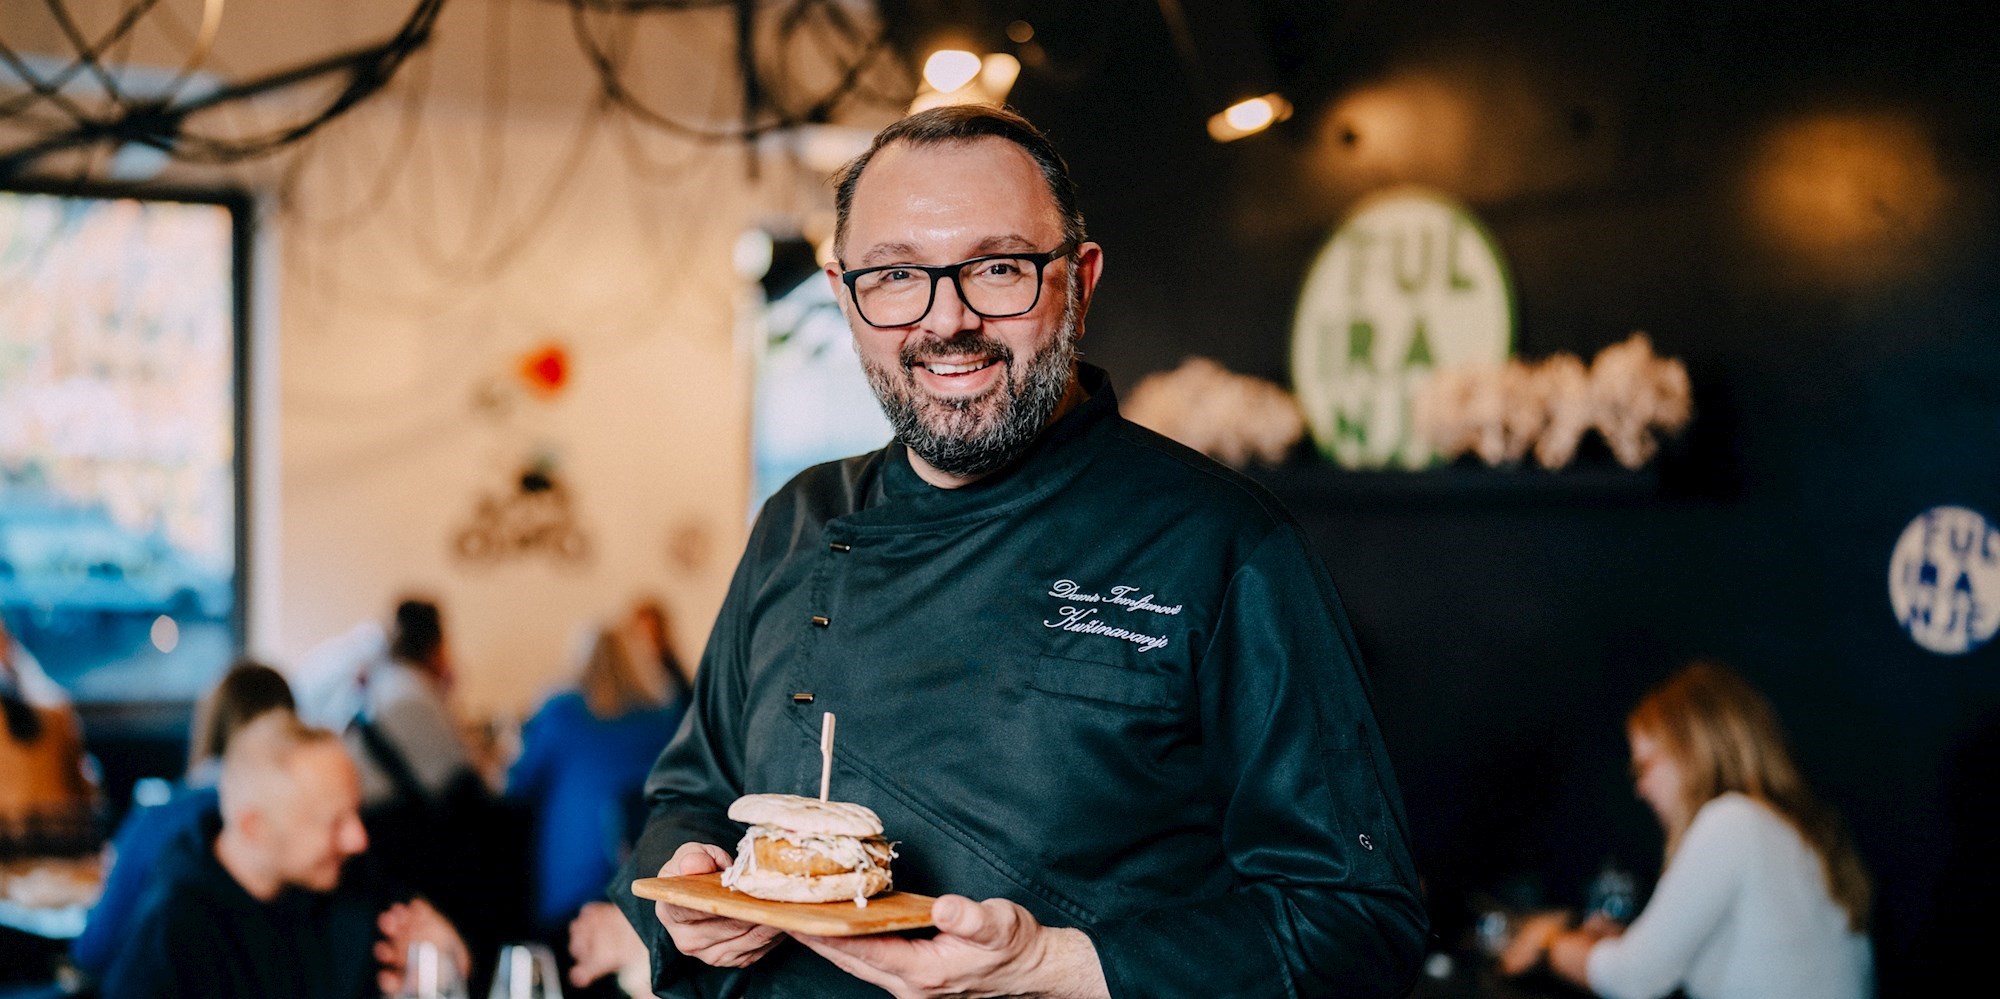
<point>1095,681</point>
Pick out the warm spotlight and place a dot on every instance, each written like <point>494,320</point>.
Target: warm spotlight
<point>997,73</point>
<point>949,69</point>
<point>1248,117</point>
<point>956,76</point>
<point>1856,194</point>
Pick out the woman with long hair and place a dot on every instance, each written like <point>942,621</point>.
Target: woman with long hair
<point>584,757</point>
<point>1762,895</point>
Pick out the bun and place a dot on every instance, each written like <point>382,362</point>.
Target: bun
<point>806,815</point>
<point>800,849</point>
<point>854,887</point>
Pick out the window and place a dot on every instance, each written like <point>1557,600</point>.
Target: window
<point>813,403</point>
<point>121,497</point>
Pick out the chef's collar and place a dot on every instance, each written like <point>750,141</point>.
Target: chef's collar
<point>1056,454</point>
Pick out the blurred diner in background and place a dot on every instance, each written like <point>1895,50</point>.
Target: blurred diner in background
<point>1762,894</point>
<point>584,756</point>
<point>419,367</point>
<point>162,812</point>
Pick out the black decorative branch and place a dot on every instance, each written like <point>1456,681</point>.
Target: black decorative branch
<point>162,124</point>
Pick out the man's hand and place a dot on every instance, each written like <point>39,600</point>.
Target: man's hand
<point>602,943</point>
<point>406,923</point>
<point>990,948</point>
<point>714,940</point>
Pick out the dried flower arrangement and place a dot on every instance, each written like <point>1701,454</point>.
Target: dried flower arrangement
<point>1628,394</point>
<point>1230,417</point>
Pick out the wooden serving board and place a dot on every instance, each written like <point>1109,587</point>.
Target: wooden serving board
<point>885,913</point>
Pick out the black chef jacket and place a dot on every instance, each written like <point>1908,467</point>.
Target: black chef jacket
<point>1111,683</point>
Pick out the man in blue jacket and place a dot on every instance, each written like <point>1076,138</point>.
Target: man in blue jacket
<point>1096,685</point>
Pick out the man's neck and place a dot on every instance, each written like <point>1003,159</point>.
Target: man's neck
<point>1073,396</point>
<point>239,860</point>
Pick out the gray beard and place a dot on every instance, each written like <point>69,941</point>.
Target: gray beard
<point>972,437</point>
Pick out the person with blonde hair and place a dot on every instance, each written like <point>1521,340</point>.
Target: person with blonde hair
<point>584,757</point>
<point>1762,895</point>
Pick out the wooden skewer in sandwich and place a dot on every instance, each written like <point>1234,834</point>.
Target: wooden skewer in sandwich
<point>803,850</point>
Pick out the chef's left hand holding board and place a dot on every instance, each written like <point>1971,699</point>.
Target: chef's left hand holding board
<point>710,939</point>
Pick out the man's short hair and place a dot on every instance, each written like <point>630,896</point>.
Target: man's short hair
<point>418,631</point>
<point>964,123</point>
<point>260,756</point>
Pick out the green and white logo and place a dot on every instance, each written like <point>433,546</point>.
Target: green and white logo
<point>1409,283</point>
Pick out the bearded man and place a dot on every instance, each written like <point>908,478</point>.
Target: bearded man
<point>1097,687</point>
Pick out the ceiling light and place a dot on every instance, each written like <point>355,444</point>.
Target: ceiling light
<point>958,76</point>
<point>997,73</point>
<point>1248,117</point>
<point>949,69</point>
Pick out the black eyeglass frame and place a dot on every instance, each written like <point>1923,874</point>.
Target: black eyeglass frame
<point>1040,260</point>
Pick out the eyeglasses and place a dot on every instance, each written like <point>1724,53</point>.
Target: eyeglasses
<point>995,286</point>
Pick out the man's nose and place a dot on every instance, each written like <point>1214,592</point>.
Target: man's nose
<point>354,836</point>
<point>949,313</point>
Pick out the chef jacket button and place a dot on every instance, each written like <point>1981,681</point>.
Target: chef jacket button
<point>821,620</point>
<point>840,546</point>
<point>1366,843</point>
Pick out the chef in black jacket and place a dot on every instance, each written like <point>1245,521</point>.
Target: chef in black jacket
<point>1087,677</point>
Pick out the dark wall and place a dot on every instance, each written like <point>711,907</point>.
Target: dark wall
<point>1797,200</point>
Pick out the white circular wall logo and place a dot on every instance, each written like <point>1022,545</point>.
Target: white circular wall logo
<point>1411,282</point>
<point>1944,579</point>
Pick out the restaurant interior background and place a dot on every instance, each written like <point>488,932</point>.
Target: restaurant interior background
<point>1797,200</point>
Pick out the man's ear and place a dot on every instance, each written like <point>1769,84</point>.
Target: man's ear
<point>252,825</point>
<point>839,289</point>
<point>1089,268</point>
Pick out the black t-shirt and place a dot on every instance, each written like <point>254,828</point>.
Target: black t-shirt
<point>198,933</point>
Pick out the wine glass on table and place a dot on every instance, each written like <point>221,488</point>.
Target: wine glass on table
<point>431,974</point>
<point>525,971</point>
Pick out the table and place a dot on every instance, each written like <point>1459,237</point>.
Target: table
<point>44,903</point>
<point>51,896</point>
<point>1473,975</point>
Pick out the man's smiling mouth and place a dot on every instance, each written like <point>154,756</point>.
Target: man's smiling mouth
<point>958,368</point>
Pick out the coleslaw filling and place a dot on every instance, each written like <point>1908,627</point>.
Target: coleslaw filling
<point>848,852</point>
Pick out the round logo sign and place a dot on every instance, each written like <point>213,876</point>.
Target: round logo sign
<point>1411,282</point>
<point>1944,579</point>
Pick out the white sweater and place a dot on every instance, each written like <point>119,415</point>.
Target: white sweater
<point>1741,912</point>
